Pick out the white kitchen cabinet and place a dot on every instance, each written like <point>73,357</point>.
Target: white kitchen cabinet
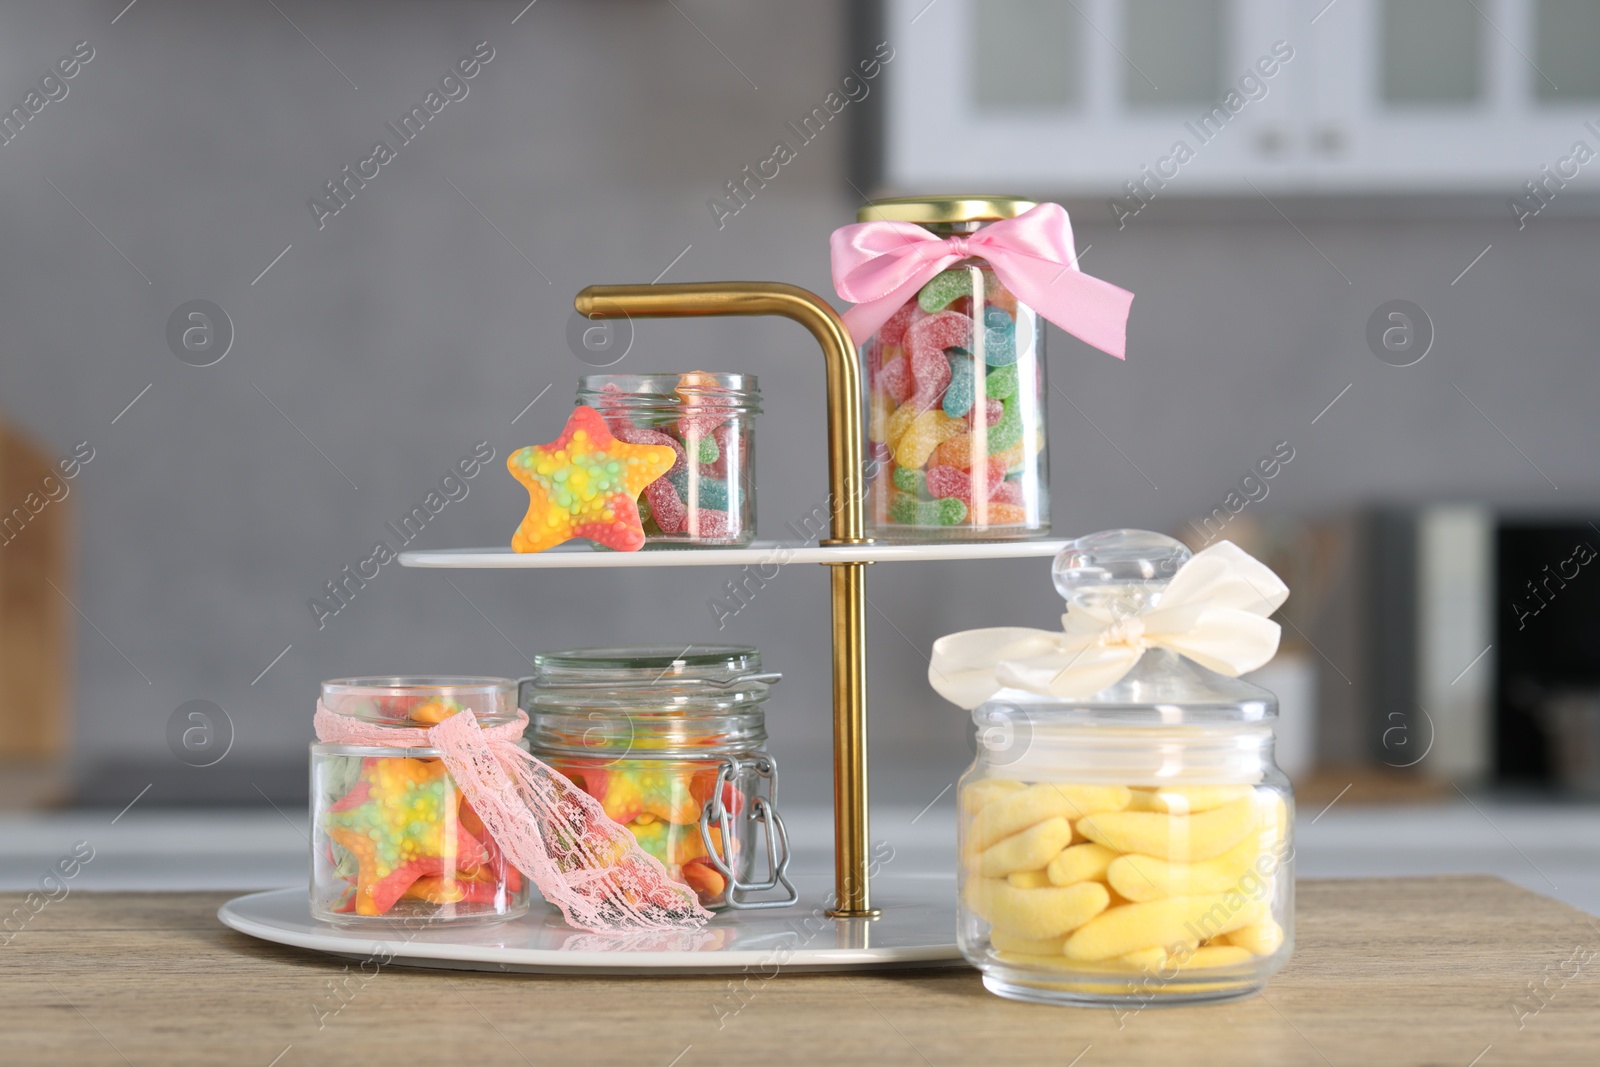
<point>1084,97</point>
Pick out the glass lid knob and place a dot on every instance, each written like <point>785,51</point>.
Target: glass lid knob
<point>1118,567</point>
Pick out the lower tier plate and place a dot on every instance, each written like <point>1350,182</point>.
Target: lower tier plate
<point>917,929</point>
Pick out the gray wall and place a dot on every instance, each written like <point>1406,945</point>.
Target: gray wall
<point>407,330</point>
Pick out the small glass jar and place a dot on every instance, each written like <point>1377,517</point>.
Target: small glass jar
<point>392,837</point>
<point>1133,846</point>
<point>956,395</point>
<point>672,743</point>
<point>709,496</point>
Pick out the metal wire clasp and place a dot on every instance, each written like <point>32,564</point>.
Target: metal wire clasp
<point>763,810</point>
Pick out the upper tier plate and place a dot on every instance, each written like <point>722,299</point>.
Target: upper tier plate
<point>760,552</point>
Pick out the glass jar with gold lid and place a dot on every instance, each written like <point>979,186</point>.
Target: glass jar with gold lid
<point>956,394</point>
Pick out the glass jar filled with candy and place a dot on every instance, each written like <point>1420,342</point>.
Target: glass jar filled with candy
<point>1133,845</point>
<point>671,741</point>
<point>392,836</point>
<point>709,495</point>
<point>956,395</point>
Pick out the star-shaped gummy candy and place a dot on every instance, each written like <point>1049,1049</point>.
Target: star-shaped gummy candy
<point>585,483</point>
<point>400,823</point>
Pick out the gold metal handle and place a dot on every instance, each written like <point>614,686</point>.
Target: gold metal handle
<point>846,503</point>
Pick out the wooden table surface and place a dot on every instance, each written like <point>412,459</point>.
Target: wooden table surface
<point>1387,971</point>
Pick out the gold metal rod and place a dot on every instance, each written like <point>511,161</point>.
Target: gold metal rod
<point>846,505</point>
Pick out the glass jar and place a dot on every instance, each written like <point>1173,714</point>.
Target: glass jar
<point>392,837</point>
<point>956,395</point>
<point>709,495</point>
<point>672,743</point>
<point>1133,846</point>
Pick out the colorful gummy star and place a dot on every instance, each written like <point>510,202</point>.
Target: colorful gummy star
<point>585,483</point>
<point>400,823</point>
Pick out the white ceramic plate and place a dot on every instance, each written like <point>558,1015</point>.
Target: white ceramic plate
<point>917,929</point>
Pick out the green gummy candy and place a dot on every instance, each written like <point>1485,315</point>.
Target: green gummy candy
<point>1008,431</point>
<point>708,450</point>
<point>1001,383</point>
<point>909,479</point>
<point>907,510</point>
<point>644,510</point>
<point>946,288</point>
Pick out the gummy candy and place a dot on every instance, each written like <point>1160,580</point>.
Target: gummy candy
<point>992,410</point>
<point>583,484</point>
<point>999,338</point>
<point>707,493</point>
<point>944,288</point>
<point>926,341</point>
<point>953,482</point>
<point>1001,384</point>
<point>909,511</point>
<point>960,394</point>
<point>909,479</point>
<point>710,524</point>
<point>893,332</point>
<point>894,379</point>
<point>925,434</point>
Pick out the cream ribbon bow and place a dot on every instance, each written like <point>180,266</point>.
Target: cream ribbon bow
<point>1214,611</point>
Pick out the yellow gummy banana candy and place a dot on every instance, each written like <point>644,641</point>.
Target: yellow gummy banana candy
<point>1161,924</point>
<point>1183,838</point>
<point>1004,942</point>
<point>1261,939</point>
<point>1080,863</point>
<point>1145,878</point>
<point>1186,799</point>
<point>976,795</point>
<point>1028,879</point>
<point>1036,803</point>
<point>1035,914</point>
<point>1028,851</point>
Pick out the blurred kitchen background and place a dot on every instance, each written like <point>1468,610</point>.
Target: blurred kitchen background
<point>1374,253</point>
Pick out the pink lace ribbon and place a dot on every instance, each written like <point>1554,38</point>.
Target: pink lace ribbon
<point>583,861</point>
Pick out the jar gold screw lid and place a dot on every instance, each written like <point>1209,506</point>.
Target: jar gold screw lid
<point>960,207</point>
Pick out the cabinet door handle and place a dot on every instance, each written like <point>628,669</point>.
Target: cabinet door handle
<point>1272,141</point>
<point>1331,140</point>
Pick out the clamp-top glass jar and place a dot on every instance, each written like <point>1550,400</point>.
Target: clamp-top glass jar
<point>392,837</point>
<point>1132,846</point>
<point>956,395</point>
<point>672,743</point>
<point>709,496</point>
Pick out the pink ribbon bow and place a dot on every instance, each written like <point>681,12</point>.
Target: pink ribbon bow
<point>583,862</point>
<point>880,265</point>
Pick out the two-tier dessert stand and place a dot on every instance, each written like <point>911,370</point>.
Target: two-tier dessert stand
<point>915,924</point>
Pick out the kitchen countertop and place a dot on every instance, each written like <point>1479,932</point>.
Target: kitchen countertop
<point>1553,849</point>
<point>1415,970</point>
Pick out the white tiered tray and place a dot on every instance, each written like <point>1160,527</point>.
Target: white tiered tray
<point>917,929</point>
<point>758,553</point>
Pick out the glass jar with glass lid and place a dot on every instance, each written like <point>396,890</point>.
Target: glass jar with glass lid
<point>672,742</point>
<point>1133,844</point>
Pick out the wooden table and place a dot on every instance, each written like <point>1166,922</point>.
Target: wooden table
<point>1387,971</point>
